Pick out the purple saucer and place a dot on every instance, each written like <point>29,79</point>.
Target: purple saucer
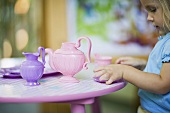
<point>11,75</point>
<point>14,72</point>
<point>97,79</point>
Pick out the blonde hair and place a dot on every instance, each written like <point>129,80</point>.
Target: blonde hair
<point>165,4</point>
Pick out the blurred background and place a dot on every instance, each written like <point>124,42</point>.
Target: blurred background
<point>116,28</point>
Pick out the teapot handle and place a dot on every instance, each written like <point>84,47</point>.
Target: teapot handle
<point>43,54</point>
<point>78,44</point>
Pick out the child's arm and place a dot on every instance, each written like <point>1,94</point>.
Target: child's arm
<point>135,62</point>
<point>159,84</point>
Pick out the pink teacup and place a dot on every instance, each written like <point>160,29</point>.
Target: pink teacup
<point>101,60</point>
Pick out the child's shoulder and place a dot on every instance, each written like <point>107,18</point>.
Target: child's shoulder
<point>166,45</point>
<point>166,39</point>
<point>167,36</point>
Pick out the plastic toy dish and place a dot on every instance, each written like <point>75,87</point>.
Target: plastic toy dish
<point>97,79</point>
<point>14,72</point>
<point>10,75</point>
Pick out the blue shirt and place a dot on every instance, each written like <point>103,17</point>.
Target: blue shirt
<point>157,103</point>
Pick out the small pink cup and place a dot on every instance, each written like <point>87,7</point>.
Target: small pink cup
<point>101,60</point>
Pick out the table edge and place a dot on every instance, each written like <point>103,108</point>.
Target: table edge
<point>64,98</point>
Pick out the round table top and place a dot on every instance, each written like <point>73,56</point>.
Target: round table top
<point>52,90</point>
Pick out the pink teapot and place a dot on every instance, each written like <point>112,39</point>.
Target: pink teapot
<point>69,60</point>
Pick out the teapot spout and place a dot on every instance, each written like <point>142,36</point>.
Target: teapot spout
<point>50,53</point>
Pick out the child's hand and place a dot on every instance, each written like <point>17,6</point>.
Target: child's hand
<point>135,62</point>
<point>110,73</point>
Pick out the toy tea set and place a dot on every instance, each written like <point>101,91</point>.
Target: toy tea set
<point>68,60</point>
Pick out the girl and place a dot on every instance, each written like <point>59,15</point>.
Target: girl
<point>154,81</point>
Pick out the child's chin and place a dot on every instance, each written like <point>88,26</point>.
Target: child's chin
<point>161,33</point>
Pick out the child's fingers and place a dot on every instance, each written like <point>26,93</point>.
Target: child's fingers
<point>128,62</point>
<point>99,73</point>
<point>111,80</point>
<point>118,61</point>
<point>98,69</point>
<point>105,76</point>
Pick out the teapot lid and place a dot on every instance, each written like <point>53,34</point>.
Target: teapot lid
<point>68,48</point>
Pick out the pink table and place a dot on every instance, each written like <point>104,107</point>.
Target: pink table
<point>78,95</point>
